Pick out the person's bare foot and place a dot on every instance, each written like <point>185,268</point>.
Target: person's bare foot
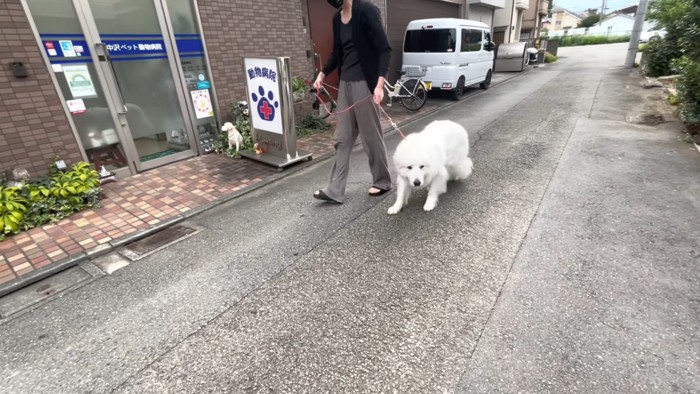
<point>375,191</point>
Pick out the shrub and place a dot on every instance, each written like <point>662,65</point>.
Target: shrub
<point>48,199</point>
<point>12,209</point>
<point>568,41</point>
<point>688,87</point>
<point>549,58</point>
<point>312,124</point>
<point>298,85</point>
<point>659,57</point>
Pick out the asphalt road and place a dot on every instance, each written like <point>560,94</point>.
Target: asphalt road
<point>568,262</point>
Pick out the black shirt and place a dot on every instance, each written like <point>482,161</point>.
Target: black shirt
<point>369,39</point>
<point>350,68</point>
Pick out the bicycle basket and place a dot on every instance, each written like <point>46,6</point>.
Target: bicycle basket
<point>414,71</point>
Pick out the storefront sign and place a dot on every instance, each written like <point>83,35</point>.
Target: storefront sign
<point>203,85</point>
<point>264,94</point>
<point>79,80</point>
<point>202,103</point>
<point>76,106</point>
<point>135,47</point>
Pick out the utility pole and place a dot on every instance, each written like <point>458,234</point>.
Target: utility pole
<point>636,32</point>
<point>602,12</point>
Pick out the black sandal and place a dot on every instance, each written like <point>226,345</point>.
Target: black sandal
<point>320,195</point>
<point>379,193</point>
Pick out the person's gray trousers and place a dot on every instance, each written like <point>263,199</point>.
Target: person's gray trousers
<point>362,120</point>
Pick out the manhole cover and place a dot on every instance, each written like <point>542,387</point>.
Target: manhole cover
<point>153,243</point>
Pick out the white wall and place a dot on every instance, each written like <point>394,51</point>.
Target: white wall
<point>615,26</point>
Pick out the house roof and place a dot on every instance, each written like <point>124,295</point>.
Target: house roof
<point>557,9</point>
<point>631,9</point>
<point>612,16</point>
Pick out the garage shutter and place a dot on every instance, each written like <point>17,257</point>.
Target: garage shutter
<point>481,14</point>
<point>400,12</point>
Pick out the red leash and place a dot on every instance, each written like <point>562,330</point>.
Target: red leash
<point>393,124</point>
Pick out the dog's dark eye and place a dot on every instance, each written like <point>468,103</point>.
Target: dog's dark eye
<point>421,167</point>
<point>410,167</point>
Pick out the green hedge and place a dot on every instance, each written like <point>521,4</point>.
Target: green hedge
<point>570,41</point>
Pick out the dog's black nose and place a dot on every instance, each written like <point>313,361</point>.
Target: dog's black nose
<point>416,183</point>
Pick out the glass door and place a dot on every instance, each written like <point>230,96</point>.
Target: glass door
<point>183,21</point>
<point>79,83</point>
<point>137,62</point>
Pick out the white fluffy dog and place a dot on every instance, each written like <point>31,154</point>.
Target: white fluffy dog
<point>430,158</point>
<point>234,137</point>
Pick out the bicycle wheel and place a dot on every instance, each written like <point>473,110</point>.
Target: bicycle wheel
<point>324,103</point>
<point>414,95</point>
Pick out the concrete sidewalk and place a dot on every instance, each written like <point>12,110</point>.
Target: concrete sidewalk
<point>603,294</point>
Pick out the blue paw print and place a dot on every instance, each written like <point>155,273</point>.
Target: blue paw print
<point>267,106</point>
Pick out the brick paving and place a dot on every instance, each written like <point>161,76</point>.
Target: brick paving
<point>139,202</point>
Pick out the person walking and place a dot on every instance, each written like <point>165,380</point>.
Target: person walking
<point>361,54</point>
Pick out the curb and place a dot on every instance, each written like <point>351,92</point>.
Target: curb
<point>111,246</point>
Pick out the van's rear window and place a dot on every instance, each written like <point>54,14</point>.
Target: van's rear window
<point>430,40</point>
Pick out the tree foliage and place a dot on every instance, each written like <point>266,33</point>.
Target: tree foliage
<point>590,20</point>
<point>679,50</point>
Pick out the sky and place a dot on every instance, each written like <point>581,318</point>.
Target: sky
<point>582,5</point>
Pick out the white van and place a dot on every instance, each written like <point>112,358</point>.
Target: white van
<point>452,53</point>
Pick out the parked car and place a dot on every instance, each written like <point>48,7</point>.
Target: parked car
<point>651,34</point>
<point>453,54</point>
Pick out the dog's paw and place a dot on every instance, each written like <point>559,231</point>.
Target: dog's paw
<point>393,210</point>
<point>429,206</point>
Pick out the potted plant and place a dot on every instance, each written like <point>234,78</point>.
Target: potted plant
<point>298,89</point>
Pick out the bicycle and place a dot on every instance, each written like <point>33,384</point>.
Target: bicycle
<point>321,98</point>
<point>412,92</point>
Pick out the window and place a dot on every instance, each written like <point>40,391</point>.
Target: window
<point>430,40</point>
<point>558,22</point>
<point>471,40</point>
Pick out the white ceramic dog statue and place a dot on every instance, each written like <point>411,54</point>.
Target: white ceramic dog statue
<point>234,137</point>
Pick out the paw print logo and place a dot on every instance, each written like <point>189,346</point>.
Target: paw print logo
<point>267,106</point>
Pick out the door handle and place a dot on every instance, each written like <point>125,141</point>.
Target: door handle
<point>106,55</point>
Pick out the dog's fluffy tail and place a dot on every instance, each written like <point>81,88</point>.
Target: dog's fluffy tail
<point>462,170</point>
<point>468,166</point>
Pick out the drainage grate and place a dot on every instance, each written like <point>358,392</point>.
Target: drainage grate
<point>153,243</point>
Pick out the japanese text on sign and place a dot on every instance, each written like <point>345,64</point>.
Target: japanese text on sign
<point>134,47</point>
<point>264,72</point>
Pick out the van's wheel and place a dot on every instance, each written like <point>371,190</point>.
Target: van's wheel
<point>458,92</point>
<point>487,82</point>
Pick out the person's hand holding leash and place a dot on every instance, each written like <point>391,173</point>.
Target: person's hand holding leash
<point>319,81</point>
<point>379,91</point>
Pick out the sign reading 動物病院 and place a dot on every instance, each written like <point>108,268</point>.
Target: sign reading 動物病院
<point>271,111</point>
<point>264,95</point>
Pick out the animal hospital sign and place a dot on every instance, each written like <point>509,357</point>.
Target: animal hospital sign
<point>269,96</point>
